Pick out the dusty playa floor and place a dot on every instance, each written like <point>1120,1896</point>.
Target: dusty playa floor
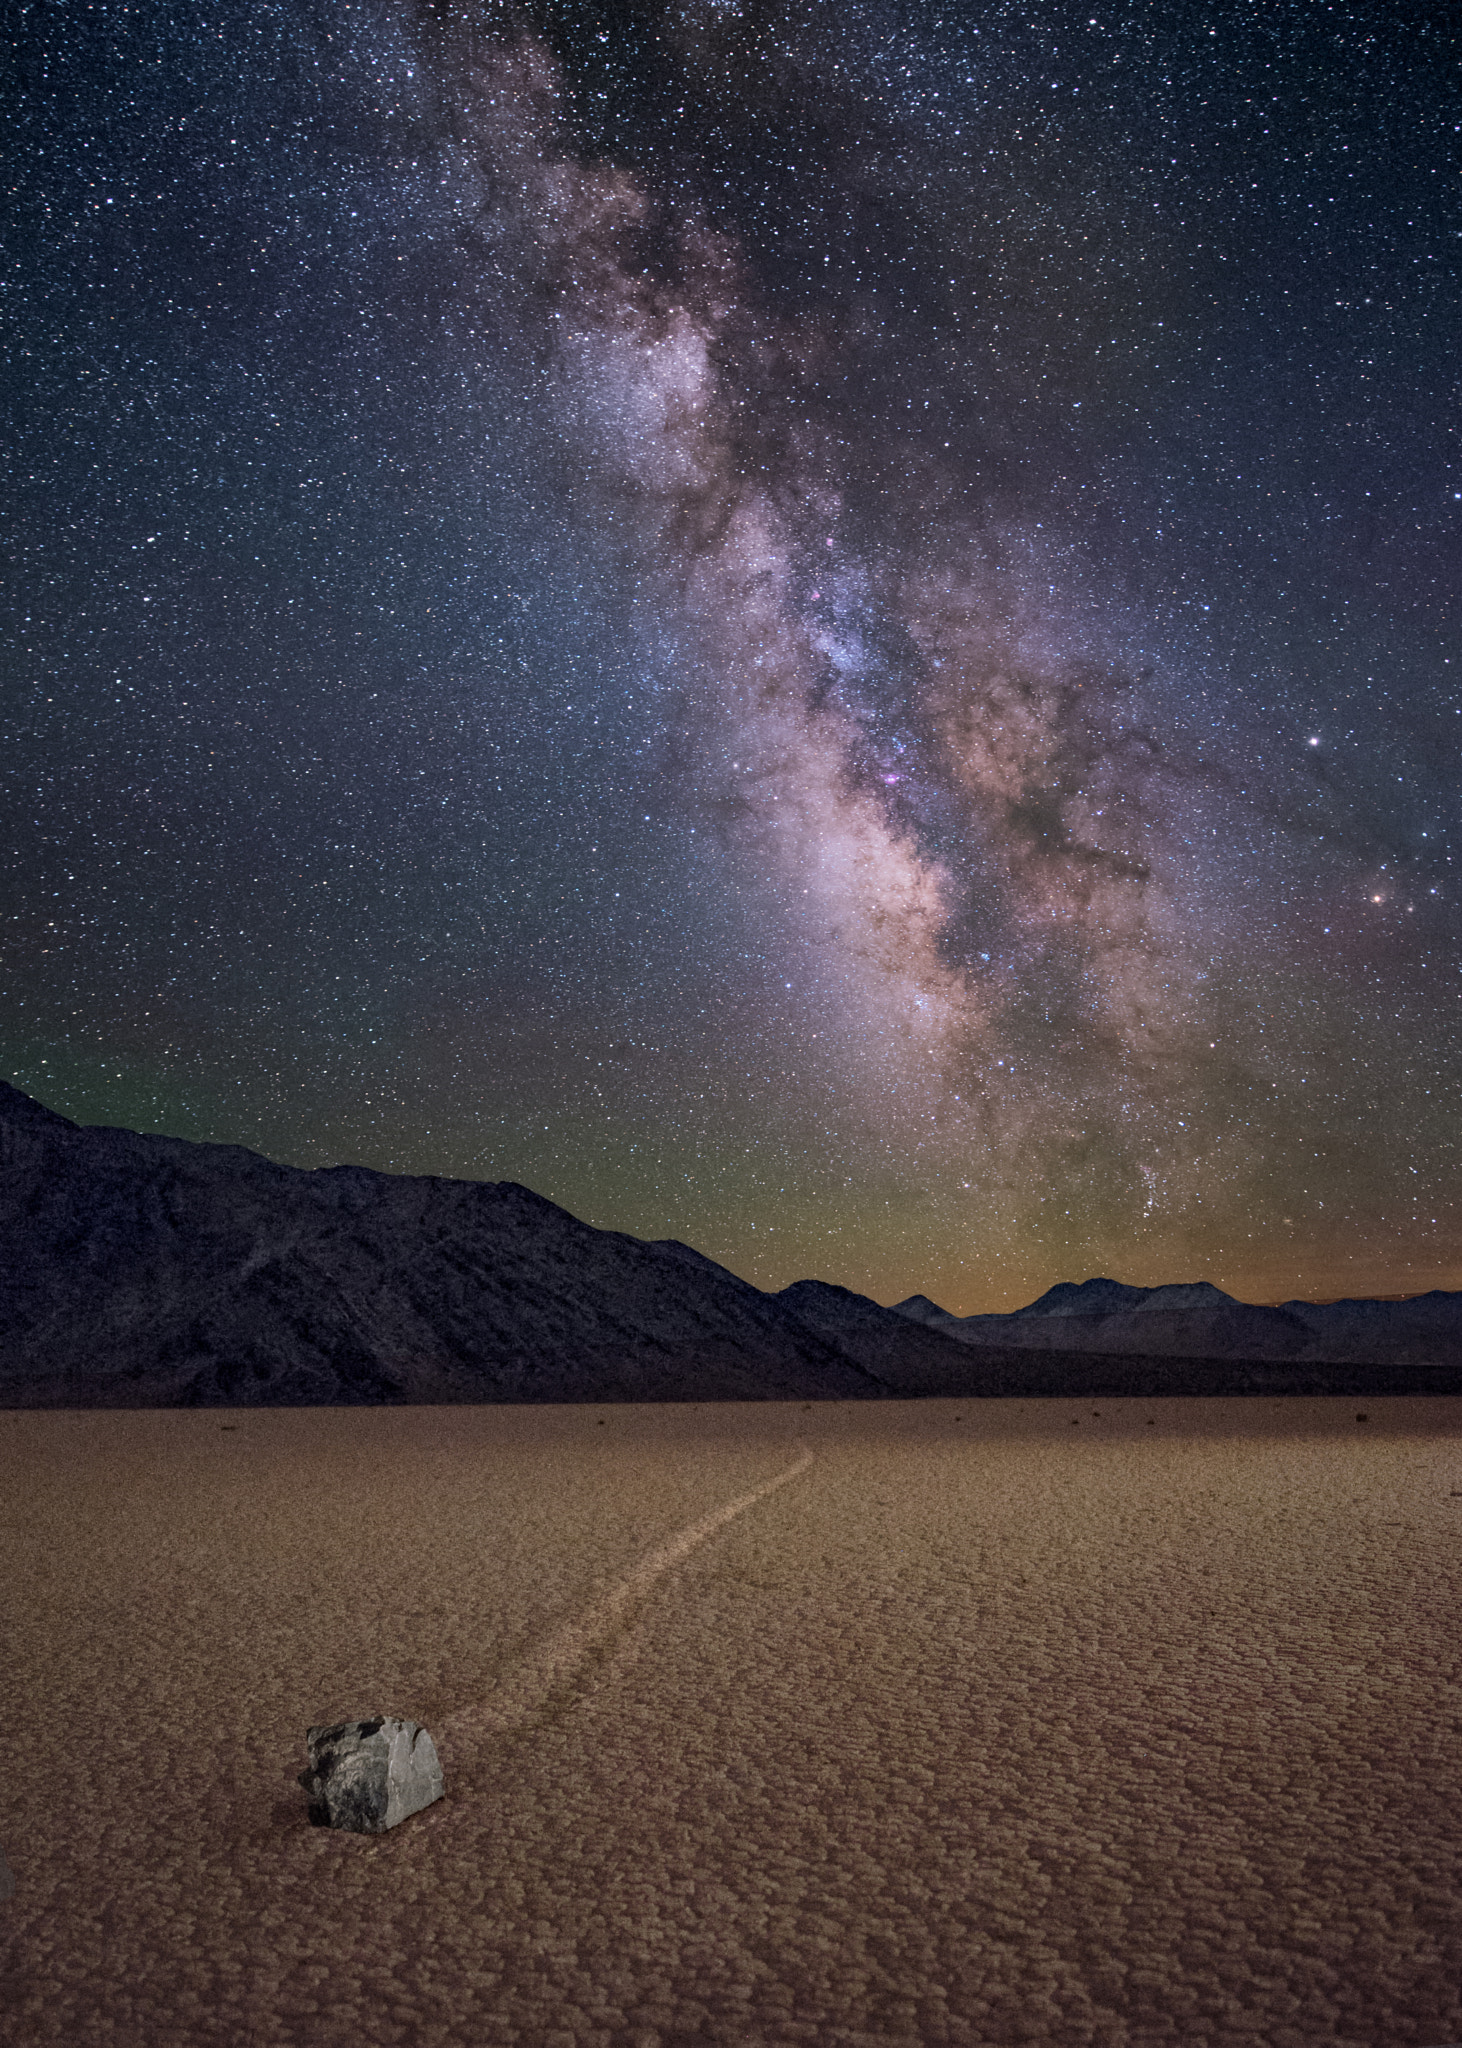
<point>988,1724</point>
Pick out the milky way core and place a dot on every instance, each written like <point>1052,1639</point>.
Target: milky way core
<point>824,630</point>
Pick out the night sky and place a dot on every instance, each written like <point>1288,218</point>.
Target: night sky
<point>827,629</point>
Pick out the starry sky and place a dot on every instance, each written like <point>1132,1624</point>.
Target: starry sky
<point>825,629</point>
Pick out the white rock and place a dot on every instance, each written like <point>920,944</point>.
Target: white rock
<point>366,1776</point>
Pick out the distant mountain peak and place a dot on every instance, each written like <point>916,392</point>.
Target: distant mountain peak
<point>1084,1298</point>
<point>1100,1297</point>
<point>1190,1294</point>
<point>920,1309</point>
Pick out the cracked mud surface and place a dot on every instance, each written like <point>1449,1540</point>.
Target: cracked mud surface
<point>995,1722</point>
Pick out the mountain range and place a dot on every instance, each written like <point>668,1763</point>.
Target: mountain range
<point>143,1271</point>
<point>1200,1321</point>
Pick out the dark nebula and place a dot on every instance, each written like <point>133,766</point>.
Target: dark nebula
<point>826,630</point>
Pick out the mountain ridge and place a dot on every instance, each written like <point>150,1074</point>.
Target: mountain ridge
<point>1198,1320</point>
<point>141,1271</point>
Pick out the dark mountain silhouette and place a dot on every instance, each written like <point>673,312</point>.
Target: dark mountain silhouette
<point>150,1272</point>
<point>146,1271</point>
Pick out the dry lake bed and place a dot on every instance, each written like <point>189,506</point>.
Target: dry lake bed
<point>1124,1723</point>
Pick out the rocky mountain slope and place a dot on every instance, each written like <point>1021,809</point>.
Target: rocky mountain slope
<point>144,1271</point>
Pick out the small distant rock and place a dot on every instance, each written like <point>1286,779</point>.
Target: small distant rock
<point>365,1776</point>
<point>7,1878</point>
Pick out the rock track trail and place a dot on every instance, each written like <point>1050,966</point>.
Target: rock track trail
<point>552,1667</point>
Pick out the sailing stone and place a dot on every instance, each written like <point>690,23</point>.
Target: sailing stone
<point>365,1776</point>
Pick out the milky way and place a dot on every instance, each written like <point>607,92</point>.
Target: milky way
<point>825,631</point>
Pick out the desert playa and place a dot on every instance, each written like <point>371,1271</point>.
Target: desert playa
<point>1110,1723</point>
